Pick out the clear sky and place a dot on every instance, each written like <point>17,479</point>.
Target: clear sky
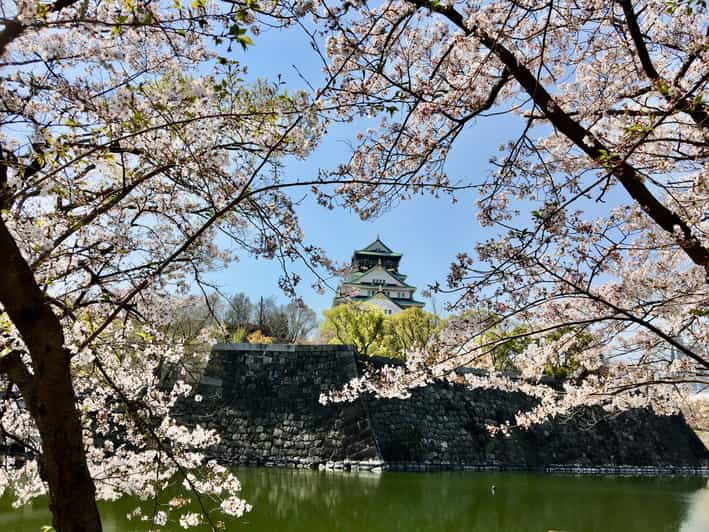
<point>428,231</point>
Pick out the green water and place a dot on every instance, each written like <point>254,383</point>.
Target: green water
<point>309,501</point>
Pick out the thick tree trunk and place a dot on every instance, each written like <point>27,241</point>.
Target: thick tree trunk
<point>49,393</point>
<point>72,498</point>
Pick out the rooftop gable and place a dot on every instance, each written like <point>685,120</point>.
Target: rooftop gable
<point>377,273</point>
<point>379,248</point>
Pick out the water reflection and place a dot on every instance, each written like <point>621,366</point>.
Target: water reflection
<point>697,519</point>
<point>453,502</point>
<point>311,501</point>
<point>286,493</point>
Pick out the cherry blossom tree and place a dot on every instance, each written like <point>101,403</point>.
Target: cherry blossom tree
<point>128,143</point>
<point>596,210</point>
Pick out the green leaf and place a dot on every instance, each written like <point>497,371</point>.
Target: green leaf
<point>700,312</point>
<point>84,7</point>
<point>146,337</point>
<point>235,30</point>
<point>244,41</point>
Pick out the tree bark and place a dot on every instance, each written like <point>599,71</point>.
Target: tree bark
<point>49,393</point>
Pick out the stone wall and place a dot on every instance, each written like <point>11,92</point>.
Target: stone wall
<point>263,399</point>
<point>447,424</point>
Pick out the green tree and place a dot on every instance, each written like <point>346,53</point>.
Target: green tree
<point>412,328</point>
<point>499,342</point>
<point>565,362</point>
<point>512,343</point>
<point>358,324</point>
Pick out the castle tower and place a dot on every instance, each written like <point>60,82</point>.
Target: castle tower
<point>375,279</point>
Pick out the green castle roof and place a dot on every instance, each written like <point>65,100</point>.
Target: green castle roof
<point>352,279</point>
<point>403,303</point>
<point>377,248</point>
<point>362,257</point>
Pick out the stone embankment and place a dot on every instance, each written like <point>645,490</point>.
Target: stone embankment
<point>263,400</point>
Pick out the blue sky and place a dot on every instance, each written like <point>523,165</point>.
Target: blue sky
<point>428,231</point>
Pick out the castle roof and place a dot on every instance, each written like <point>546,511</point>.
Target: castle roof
<point>375,277</point>
<point>398,279</point>
<point>377,248</point>
<point>400,302</point>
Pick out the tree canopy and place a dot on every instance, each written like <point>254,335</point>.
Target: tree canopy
<point>372,332</point>
<point>596,208</point>
<point>410,330</point>
<point>289,323</point>
<point>358,324</point>
<point>129,141</point>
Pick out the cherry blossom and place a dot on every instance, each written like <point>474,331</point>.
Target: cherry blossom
<point>129,142</point>
<point>595,212</point>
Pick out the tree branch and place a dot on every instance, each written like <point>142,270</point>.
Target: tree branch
<point>626,174</point>
<point>14,28</point>
<point>695,109</point>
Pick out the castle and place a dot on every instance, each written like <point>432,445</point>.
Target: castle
<point>375,279</point>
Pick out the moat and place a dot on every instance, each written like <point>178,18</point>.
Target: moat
<point>312,501</point>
